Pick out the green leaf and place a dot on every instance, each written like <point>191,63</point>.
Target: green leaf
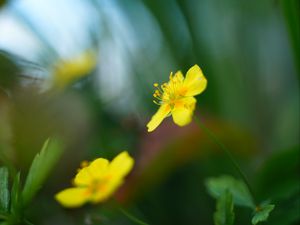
<point>40,168</point>
<point>287,212</point>
<point>4,192</point>
<point>16,203</point>
<point>241,195</point>
<point>262,213</point>
<point>224,214</point>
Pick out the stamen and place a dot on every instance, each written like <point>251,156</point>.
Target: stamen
<point>156,103</point>
<point>168,91</point>
<point>84,164</point>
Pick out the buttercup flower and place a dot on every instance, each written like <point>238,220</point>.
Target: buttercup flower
<point>176,97</point>
<point>66,71</point>
<point>97,181</point>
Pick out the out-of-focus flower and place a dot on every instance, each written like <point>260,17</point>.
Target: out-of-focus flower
<point>66,71</point>
<point>97,181</point>
<point>176,97</point>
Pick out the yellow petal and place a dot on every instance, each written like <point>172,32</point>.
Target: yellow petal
<point>158,117</point>
<point>87,175</point>
<point>194,82</point>
<point>183,111</point>
<point>83,177</point>
<point>178,76</point>
<point>121,165</point>
<point>98,167</point>
<point>72,197</point>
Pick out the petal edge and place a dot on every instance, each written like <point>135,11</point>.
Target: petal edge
<point>158,117</point>
<point>72,197</point>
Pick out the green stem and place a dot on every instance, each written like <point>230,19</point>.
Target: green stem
<point>131,217</point>
<point>228,154</point>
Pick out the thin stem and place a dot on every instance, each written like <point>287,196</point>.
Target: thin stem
<point>131,217</point>
<point>227,152</point>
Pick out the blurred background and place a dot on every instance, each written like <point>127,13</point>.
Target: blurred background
<point>84,71</point>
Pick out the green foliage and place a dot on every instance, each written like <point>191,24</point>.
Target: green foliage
<point>12,204</point>
<point>262,213</point>
<point>40,168</point>
<point>281,172</point>
<point>287,212</point>
<point>291,10</point>
<point>225,210</point>
<point>15,196</point>
<point>4,192</point>
<point>249,71</point>
<point>4,223</point>
<point>241,195</point>
<point>131,217</point>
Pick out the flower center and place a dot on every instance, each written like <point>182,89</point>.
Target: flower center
<point>169,93</point>
<point>98,185</point>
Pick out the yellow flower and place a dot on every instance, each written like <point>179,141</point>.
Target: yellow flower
<point>176,97</point>
<point>96,182</point>
<point>66,71</point>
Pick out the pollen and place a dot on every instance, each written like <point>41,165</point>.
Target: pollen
<point>169,92</point>
<point>84,163</point>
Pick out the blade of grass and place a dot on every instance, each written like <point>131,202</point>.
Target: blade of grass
<point>40,168</point>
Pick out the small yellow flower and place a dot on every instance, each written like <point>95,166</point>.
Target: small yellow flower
<point>97,181</point>
<point>176,97</point>
<point>66,71</point>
